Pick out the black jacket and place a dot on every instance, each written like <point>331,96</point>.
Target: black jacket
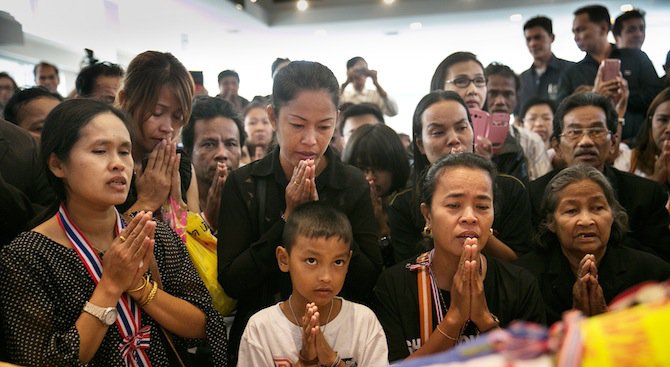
<point>644,201</point>
<point>247,264</point>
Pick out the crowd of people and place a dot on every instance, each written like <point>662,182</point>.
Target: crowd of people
<point>339,241</point>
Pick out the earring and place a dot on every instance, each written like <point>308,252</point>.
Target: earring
<point>427,231</point>
<point>491,230</point>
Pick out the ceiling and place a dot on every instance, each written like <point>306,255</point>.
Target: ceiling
<point>284,13</point>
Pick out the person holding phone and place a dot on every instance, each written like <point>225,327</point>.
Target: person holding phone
<point>442,126</point>
<point>77,288</point>
<point>591,26</point>
<point>357,74</point>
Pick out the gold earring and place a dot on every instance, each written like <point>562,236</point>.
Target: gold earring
<point>427,231</point>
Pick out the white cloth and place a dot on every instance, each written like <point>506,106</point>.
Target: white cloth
<point>535,152</point>
<point>622,161</point>
<point>388,106</point>
<point>270,339</point>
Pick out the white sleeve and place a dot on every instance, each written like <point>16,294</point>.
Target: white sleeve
<point>376,350</point>
<point>251,351</point>
<point>390,106</point>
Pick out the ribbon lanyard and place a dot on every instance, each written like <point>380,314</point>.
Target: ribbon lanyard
<point>135,338</point>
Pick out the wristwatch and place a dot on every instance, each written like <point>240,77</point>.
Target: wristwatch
<point>106,315</point>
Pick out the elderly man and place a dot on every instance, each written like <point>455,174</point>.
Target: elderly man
<point>585,125</point>
<point>213,138</point>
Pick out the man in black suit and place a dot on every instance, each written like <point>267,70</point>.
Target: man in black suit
<point>24,190</point>
<point>585,126</point>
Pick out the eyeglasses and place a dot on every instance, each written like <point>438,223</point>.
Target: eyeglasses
<point>595,133</point>
<point>464,82</point>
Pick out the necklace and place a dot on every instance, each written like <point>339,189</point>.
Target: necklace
<point>323,328</point>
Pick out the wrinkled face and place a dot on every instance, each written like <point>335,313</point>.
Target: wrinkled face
<point>164,123</point>
<point>100,165</point>
<point>539,119</point>
<point>462,208</point>
<point>305,126</point>
<point>585,148</point>
<point>32,115</point>
<point>588,35</point>
<point>633,33</point>
<point>216,140</point>
<point>317,267</point>
<point>660,124</point>
<point>48,78</point>
<point>501,96</point>
<point>6,90</point>
<point>258,127</point>
<point>228,86</point>
<point>105,88</point>
<point>583,219</point>
<point>354,122</point>
<point>538,42</point>
<point>445,129</point>
<point>473,95</point>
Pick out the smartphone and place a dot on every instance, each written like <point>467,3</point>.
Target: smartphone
<point>498,130</point>
<point>480,122</point>
<point>610,69</point>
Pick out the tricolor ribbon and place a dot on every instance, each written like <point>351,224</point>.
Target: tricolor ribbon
<point>135,338</point>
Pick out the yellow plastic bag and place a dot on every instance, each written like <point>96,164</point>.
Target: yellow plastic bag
<point>201,245</point>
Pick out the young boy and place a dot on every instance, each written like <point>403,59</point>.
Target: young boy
<point>314,327</point>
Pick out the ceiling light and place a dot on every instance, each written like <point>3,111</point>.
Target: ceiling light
<point>389,2</point>
<point>415,26</point>
<point>626,7</point>
<point>515,17</point>
<point>239,7</point>
<point>253,1</point>
<point>302,5</point>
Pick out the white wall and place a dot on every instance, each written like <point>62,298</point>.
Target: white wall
<point>405,61</point>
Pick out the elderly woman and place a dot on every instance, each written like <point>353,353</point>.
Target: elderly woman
<point>581,263</point>
<point>429,303</point>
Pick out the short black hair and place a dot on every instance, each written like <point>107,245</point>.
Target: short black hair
<point>596,13</point>
<point>379,147</point>
<point>205,107</point>
<point>359,109</point>
<point>227,73</point>
<point>537,101</point>
<point>275,64</point>
<point>352,61</point>
<point>581,100</point>
<point>315,219</point>
<point>628,15</point>
<point>300,76</point>
<point>496,68</point>
<point>540,21</point>
<point>86,78</point>
<point>45,64</point>
<point>22,97</point>
<point>62,129</point>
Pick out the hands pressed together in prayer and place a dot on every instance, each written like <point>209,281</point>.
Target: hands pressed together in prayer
<point>587,295</point>
<point>302,186</point>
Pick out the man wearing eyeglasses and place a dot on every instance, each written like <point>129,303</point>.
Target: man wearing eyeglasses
<point>585,126</point>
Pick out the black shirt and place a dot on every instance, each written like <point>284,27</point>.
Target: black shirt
<point>620,269</point>
<point>247,263</point>
<point>511,294</point>
<point>644,201</point>
<point>511,222</point>
<point>643,83</point>
<point>542,86</point>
